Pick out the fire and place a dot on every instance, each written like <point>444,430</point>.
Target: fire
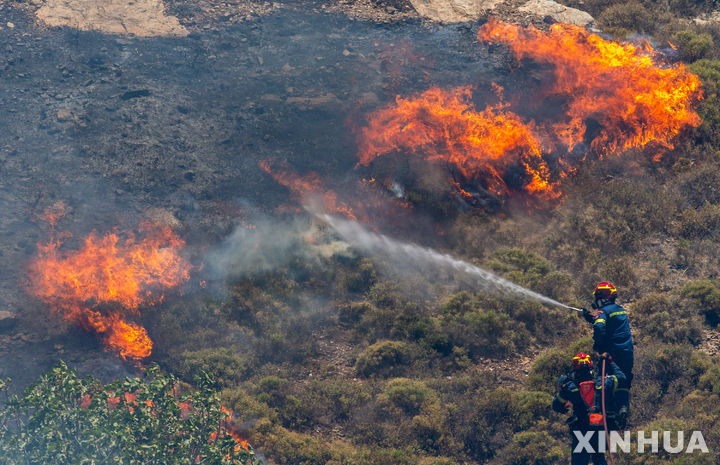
<point>108,278</point>
<point>444,126</point>
<point>309,188</point>
<point>636,100</point>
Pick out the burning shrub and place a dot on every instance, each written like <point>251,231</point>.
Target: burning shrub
<point>634,100</point>
<point>108,278</point>
<point>443,126</point>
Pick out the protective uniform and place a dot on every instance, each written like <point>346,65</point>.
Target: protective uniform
<point>612,335</point>
<point>584,394</point>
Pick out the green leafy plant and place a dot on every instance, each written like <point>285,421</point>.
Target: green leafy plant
<point>66,420</point>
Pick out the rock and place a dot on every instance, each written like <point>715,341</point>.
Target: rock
<point>454,11</point>
<point>10,25</point>
<point>64,115</point>
<point>162,217</point>
<point>131,94</point>
<point>558,12</point>
<point>711,18</point>
<point>142,18</point>
<point>306,103</point>
<point>7,320</point>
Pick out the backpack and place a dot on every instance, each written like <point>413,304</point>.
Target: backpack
<point>587,394</point>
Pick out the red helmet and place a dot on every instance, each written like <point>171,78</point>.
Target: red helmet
<point>582,360</point>
<point>605,291</point>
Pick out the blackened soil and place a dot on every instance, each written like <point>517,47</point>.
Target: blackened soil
<point>116,127</point>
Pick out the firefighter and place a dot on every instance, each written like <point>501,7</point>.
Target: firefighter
<point>611,335</point>
<point>583,392</point>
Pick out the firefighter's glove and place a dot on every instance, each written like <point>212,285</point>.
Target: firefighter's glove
<point>588,315</point>
<point>562,380</point>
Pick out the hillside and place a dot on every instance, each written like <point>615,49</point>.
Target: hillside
<point>167,192</point>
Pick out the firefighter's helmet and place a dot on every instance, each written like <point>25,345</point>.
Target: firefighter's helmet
<point>605,291</point>
<point>582,361</point>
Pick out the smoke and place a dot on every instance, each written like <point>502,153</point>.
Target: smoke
<point>259,244</point>
<point>407,258</point>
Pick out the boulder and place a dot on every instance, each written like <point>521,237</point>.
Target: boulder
<point>454,11</point>
<point>143,18</point>
<point>7,320</point>
<point>556,11</point>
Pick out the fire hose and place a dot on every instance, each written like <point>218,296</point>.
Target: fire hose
<point>602,394</point>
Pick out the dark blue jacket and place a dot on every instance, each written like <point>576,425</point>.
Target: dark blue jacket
<point>611,330</point>
<point>570,394</point>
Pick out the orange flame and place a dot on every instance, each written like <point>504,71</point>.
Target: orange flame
<point>88,285</point>
<point>444,126</point>
<point>309,188</point>
<point>636,100</point>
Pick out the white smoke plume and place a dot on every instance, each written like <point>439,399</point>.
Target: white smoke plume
<point>407,257</point>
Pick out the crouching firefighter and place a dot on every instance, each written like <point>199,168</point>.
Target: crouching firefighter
<point>612,335</point>
<point>583,392</point>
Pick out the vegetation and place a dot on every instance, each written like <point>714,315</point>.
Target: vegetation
<point>63,419</point>
<point>373,374</point>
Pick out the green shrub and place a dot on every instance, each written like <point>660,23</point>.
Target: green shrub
<point>351,313</point>
<point>709,109</point>
<point>630,15</point>
<point>693,45</point>
<point>531,406</point>
<point>533,448</point>
<point>701,222</point>
<point>334,398</point>
<point>384,358</point>
<point>666,320</point>
<point>363,278</point>
<point>701,185</point>
<point>408,395</point>
<point>552,363</point>
<point>705,294</point>
<point>65,420</point>
<point>224,364</point>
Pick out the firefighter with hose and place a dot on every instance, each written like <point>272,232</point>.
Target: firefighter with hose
<point>593,405</point>
<point>612,337</point>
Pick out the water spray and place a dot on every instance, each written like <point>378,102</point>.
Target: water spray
<point>418,258</point>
